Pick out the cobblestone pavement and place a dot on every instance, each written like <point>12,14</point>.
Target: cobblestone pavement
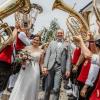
<point>63,95</point>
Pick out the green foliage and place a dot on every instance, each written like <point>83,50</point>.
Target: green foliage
<point>49,34</point>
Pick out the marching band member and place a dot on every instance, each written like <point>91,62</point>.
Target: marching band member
<point>94,57</point>
<point>73,77</point>
<point>22,40</point>
<point>6,61</point>
<point>96,92</point>
<point>83,76</point>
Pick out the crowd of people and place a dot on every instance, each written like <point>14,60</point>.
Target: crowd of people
<point>25,59</point>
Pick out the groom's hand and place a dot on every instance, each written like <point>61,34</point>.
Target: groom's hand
<point>44,71</point>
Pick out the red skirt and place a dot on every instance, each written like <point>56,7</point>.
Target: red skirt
<point>96,93</point>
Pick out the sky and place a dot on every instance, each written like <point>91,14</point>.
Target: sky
<point>44,19</point>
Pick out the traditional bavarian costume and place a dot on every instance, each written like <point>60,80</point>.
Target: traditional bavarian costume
<point>5,66</point>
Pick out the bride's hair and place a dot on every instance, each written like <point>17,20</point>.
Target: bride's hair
<point>37,36</point>
<point>33,36</point>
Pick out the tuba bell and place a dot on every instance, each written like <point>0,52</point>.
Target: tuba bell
<point>78,19</point>
<point>7,8</point>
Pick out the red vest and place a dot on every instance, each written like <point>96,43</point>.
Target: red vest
<point>76,55</point>
<point>86,66</point>
<point>6,54</point>
<point>96,91</point>
<point>19,44</point>
<point>84,71</point>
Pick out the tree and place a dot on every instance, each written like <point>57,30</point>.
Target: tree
<point>49,34</point>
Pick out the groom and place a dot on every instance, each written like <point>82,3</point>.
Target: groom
<point>55,64</point>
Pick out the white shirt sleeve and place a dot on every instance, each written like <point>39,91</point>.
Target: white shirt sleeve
<point>94,70</point>
<point>22,36</point>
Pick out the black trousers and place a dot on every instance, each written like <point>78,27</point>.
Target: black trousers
<point>5,72</point>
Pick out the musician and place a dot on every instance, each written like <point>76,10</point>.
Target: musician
<point>85,71</point>
<point>6,60</point>
<point>71,47</point>
<point>88,76</point>
<point>94,57</point>
<point>22,40</point>
<point>96,92</point>
<point>72,87</point>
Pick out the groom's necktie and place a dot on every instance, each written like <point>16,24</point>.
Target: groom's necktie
<point>59,45</point>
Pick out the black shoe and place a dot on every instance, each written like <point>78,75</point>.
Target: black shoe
<point>71,97</point>
<point>9,89</point>
<point>67,87</point>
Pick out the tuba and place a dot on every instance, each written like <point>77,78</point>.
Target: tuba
<point>86,16</point>
<point>7,8</point>
<point>96,10</point>
<point>27,21</point>
<point>24,20</point>
<point>79,22</point>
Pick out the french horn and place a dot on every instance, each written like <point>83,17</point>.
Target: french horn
<point>81,23</point>
<point>7,8</point>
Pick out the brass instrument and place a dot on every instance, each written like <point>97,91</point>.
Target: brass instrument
<point>11,6</point>
<point>96,10</point>
<point>81,23</point>
<point>7,8</point>
<point>73,32</point>
<point>27,20</point>
<point>24,20</point>
<point>86,16</point>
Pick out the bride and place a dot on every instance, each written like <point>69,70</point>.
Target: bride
<point>27,84</point>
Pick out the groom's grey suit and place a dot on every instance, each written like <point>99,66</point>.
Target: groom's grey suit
<point>55,61</point>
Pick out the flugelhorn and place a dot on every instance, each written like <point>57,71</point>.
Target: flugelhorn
<point>65,7</point>
<point>7,8</point>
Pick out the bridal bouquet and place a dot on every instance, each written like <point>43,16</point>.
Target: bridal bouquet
<point>23,58</point>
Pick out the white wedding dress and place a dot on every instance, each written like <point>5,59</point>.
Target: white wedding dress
<point>27,84</point>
